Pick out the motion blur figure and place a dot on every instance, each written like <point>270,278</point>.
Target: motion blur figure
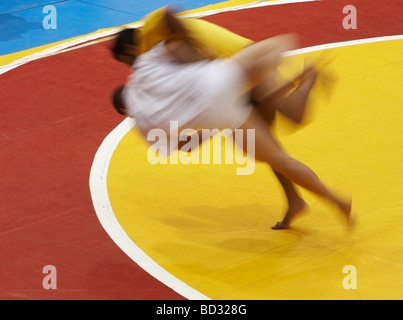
<point>181,73</point>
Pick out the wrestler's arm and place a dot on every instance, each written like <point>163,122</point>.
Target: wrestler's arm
<point>181,45</point>
<point>174,24</point>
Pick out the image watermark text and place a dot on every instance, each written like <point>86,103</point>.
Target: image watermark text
<point>50,280</point>
<point>350,280</point>
<point>350,20</point>
<point>50,20</point>
<point>188,142</point>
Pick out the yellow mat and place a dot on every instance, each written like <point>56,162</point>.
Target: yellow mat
<point>210,228</point>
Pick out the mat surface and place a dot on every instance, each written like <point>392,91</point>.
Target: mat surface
<point>56,114</point>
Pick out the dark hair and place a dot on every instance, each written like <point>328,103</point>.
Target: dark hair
<point>125,37</point>
<point>117,100</point>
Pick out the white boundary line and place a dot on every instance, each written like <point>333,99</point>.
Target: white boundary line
<point>60,48</point>
<point>107,218</point>
<point>261,3</point>
<point>99,169</point>
<point>103,208</point>
<point>348,43</point>
<point>100,166</point>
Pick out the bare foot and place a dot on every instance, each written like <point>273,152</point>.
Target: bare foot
<point>345,208</point>
<point>280,226</point>
<point>293,211</point>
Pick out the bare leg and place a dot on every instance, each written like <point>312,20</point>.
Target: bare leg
<point>294,105</point>
<point>258,61</point>
<point>290,99</point>
<point>268,150</point>
<point>296,205</point>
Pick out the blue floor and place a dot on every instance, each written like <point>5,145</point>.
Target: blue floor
<point>22,21</point>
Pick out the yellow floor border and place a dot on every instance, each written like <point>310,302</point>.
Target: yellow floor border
<point>13,60</point>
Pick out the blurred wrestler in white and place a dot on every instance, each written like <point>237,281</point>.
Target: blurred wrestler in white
<point>176,80</point>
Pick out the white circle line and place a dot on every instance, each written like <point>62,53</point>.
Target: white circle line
<point>107,218</point>
<point>103,208</point>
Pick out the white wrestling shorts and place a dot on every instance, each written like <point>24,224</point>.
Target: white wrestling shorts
<point>200,95</point>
